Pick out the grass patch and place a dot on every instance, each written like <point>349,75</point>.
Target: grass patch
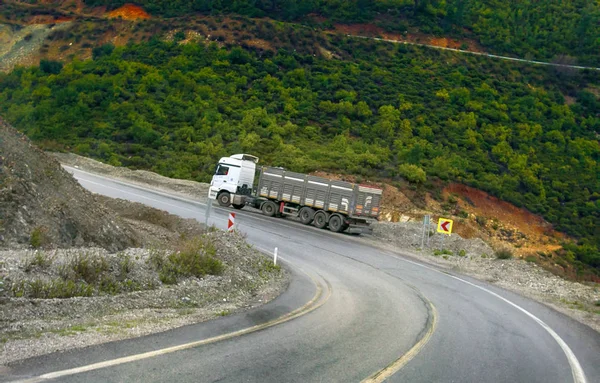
<point>87,267</point>
<point>40,260</point>
<point>69,331</point>
<point>56,288</point>
<point>442,252</point>
<point>531,258</point>
<point>462,253</point>
<point>504,254</point>
<point>195,258</point>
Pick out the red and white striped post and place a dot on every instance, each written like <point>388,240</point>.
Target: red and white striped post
<point>231,222</point>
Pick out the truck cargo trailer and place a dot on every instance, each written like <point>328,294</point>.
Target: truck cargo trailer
<point>338,205</point>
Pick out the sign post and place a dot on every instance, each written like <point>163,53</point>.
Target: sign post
<point>231,222</point>
<point>425,230</point>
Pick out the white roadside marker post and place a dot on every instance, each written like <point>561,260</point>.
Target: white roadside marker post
<point>207,214</point>
<point>275,257</point>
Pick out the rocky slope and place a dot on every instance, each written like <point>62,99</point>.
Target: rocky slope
<point>41,205</point>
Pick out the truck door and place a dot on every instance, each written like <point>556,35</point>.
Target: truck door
<point>220,176</point>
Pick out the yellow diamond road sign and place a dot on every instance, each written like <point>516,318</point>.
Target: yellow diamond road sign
<point>445,226</point>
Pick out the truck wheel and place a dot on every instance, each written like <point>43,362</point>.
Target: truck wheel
<point>320,219</point>
<point>269,208</point>
<point>336,223</point>
<point>240,206</point>
<point>224,199</point>
<point>306,215</point>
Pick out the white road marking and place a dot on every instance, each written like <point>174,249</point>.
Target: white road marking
<point>576,369</point>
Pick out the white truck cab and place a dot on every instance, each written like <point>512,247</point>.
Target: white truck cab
<point>234,176</point>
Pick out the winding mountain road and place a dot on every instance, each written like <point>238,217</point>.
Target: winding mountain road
<point>361,314</point>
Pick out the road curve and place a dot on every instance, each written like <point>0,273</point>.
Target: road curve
<point>380,306</point>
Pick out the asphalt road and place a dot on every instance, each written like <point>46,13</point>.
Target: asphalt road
<point>376,309</point>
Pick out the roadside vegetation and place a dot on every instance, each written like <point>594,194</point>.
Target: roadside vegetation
<point>543,29</point>
<point>85,273</point>
<point>525,134</point>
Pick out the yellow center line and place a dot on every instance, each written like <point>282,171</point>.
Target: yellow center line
<point>395,366</point>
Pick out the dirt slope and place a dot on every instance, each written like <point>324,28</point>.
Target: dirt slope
<point>42,205</point>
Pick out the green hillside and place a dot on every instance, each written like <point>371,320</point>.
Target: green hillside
<point>541,29</point>
<point>175,109</point>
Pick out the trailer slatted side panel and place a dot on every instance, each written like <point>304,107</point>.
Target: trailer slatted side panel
<point>340,196</point>
<point>271,183</point>
<point>367,201</point>
<point>293,187</point>
<point>316,192</point>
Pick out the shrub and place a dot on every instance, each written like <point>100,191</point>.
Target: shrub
<point>481,220</point>
<point>39,237</point>
<point>86,267</point>
<point>179,36</point>
<point>196,258</point>
<point>462,253</point>
<point>530,258</point>
<point>504,254</point>
<point>412,173</point>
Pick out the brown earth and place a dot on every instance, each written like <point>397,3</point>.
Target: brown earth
<point>482,204</point>
<point>129,12</point>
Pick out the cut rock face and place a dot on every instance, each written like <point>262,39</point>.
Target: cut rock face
<point>42,205</point>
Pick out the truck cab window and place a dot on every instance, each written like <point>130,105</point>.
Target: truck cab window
<point>222,170</point>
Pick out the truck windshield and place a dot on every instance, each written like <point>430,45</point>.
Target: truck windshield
<point>222,170</point>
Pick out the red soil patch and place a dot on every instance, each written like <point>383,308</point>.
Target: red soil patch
<point>129,12</point>
<point>482,204</point>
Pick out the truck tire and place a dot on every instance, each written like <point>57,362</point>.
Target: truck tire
<point>320,220</point>
<point>306,215</point>
<point>236,206</point>
<point>224,199</point>
<point>336,223</point>
<point>269,208</point>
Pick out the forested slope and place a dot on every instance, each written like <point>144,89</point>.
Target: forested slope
<point>541,29</point>
<point>176,109</point>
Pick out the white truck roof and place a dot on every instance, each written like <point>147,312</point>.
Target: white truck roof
<point>245,157</point>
